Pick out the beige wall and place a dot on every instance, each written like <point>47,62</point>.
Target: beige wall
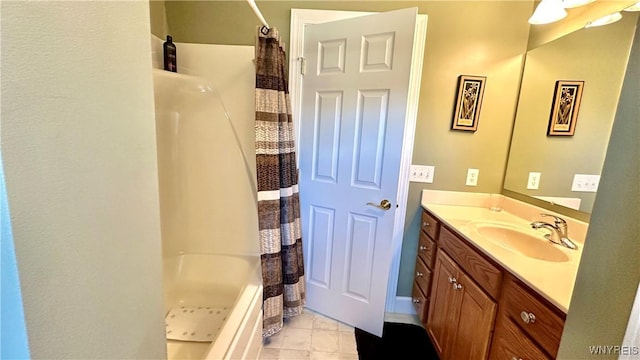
<point>462,38</point>
<point>609,271</point>
<point>78,141</point>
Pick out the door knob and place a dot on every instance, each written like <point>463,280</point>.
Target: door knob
<point>384,204</point>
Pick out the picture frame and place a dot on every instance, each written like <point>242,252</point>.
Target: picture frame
<point>567,96</point>
<point>469,94</point>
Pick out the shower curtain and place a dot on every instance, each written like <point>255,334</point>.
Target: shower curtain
<point>278,200</point>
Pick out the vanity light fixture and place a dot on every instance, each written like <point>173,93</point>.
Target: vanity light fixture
<point>605,20</point>
<point>634,7</point>
<point>548,11</point>
<point>575,3</point>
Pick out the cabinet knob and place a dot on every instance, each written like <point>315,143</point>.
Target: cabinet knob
<point>423,248</point>
<point>527,317</point>
<point>457,286</point>
<point>418,273</point>
<point>515,358</point>
<point>416,301</point>
<point>425,224</point>
<point>452,280</point>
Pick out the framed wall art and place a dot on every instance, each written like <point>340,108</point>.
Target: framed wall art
<point>564,110</point>
<point>468,102</point>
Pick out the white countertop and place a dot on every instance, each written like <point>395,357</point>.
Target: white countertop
<point>554,280</point>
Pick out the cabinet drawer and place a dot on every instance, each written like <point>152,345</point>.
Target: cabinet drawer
<point>483,272</point>
<point>426,250</point>
<point>420,302</point>
<point>429,225</point>
<point>533,315</point>
<point>423,276</point>
<point>510,343</point>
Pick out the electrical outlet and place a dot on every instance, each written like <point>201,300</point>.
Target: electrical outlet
<point>421,173</point>
<point>472,177</point>
<point>585,183</point>
<point>534,181</point>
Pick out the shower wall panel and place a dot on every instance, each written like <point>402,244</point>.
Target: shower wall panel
<point>207,186</point>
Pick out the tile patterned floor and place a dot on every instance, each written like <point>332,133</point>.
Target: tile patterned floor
<point>311,336</point>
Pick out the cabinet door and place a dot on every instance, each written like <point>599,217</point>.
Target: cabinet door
<point>426,249</point>
<point>443,305</point>
<point>420,302</point>
<point>518,301</point>
<point>509,342</point>
<point>474,323</point>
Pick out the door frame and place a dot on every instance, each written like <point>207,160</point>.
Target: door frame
<point>302,17</point>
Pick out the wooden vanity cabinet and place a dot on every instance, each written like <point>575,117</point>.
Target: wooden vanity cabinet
<point>533,320</point>
<point>509,343</point>
<point>461,314</point>
<point>474,308</point>
<point>429,229</point>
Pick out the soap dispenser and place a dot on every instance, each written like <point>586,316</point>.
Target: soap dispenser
<point>170,60</point>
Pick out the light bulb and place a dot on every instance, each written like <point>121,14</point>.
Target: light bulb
<point>634,7</point>
<point>547,12</point>
<point>605,20</point>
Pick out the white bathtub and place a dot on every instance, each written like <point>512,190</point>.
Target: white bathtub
<point>221,281</point>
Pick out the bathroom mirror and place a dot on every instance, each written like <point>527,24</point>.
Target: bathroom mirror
<point>544,166</point>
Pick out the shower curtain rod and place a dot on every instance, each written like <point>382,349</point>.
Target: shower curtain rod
<point>265,26</point>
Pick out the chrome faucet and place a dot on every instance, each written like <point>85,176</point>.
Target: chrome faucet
<point>558,229</point>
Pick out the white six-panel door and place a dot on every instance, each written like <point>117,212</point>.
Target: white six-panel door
<point>354,104</point>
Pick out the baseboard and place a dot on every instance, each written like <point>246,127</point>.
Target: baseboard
<point>404,305</point>
<point>403,312</point>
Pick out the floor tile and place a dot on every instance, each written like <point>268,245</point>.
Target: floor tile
<point>311,336</point>
<point>324,340</point>
<point>347,343</point>
<point>343,356</point>
<point>269,354</point>
<point>319,355</point>
<point>274,341</point>
<point>302,321</point>
<point>324,323</point>
<point>294,354</point>
<point>345,327</point>
<point>297,339</point>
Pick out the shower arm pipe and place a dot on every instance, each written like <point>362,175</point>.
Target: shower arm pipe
<point>256,11</point>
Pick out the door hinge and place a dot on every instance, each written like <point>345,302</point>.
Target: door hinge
<point>303,65</point>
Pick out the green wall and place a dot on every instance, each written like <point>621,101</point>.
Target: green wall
<point>463,37</point>
<point>609,271</point>
<point>79,152</point>
<point>158,18</point>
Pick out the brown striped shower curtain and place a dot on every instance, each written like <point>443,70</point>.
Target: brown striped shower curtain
<point>278,201</point>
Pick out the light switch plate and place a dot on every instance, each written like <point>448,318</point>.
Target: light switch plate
<point>472,177</point>
<point>534,181</point>
<point>585,183</point>
<point>422,173</point>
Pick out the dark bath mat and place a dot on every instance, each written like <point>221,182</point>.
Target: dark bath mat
<point>398,341</point>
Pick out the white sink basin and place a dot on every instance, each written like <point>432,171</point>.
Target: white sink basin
<point>528,243</point>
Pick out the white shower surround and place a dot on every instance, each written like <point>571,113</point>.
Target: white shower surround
<point>220,281</point>
<point>208,213</point>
